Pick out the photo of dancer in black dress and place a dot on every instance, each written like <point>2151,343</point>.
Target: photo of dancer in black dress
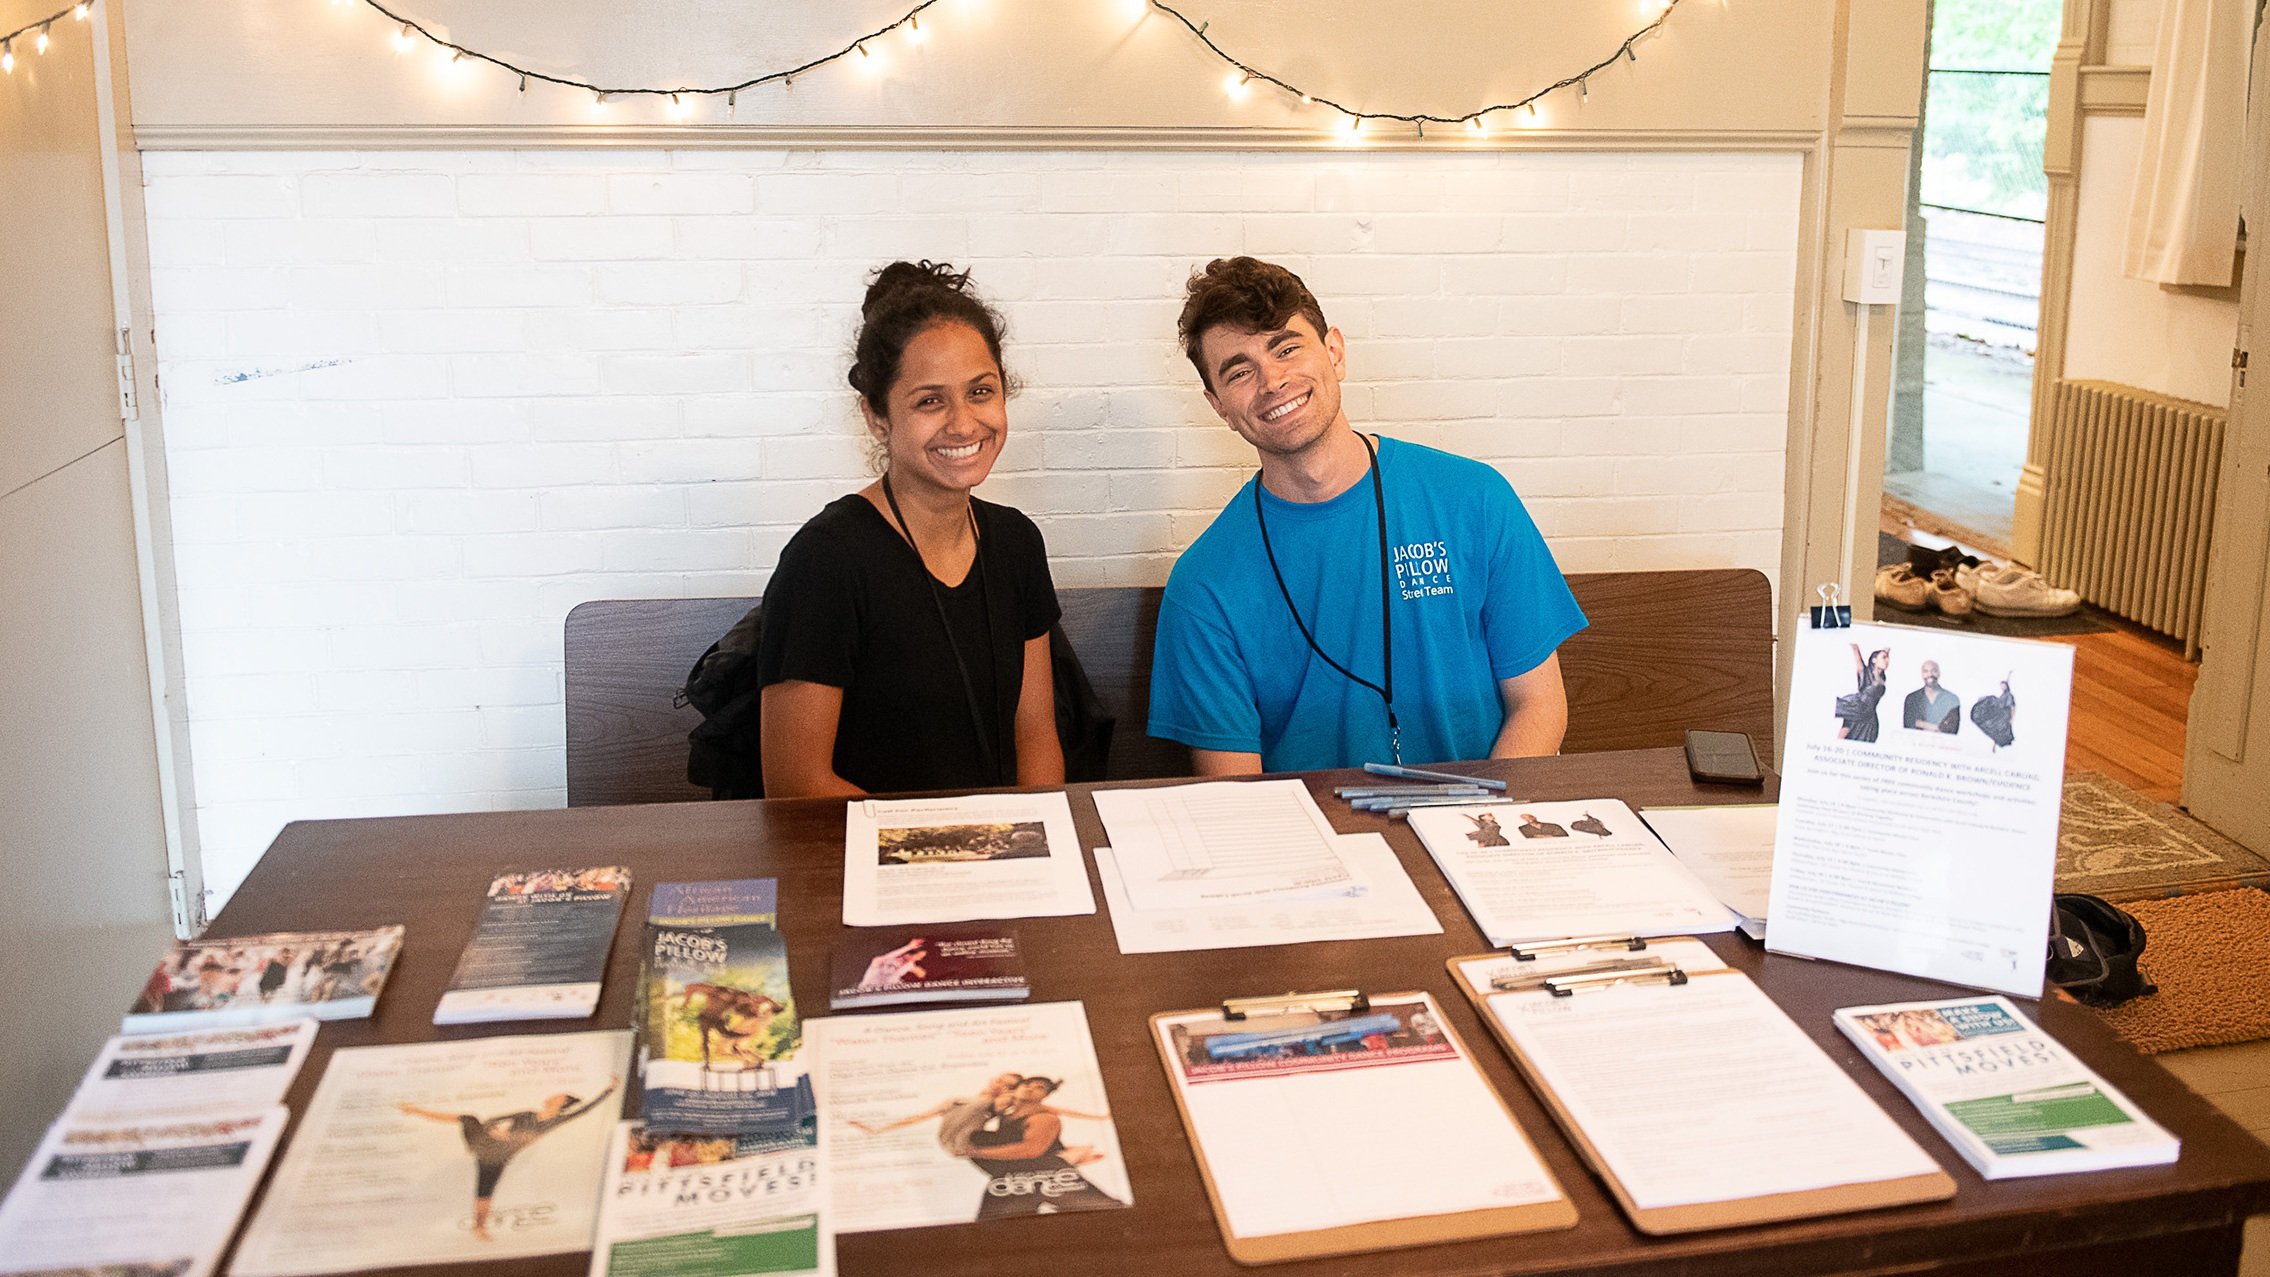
<point>494,1141</point>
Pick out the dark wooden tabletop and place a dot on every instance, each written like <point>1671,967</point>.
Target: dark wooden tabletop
<point>431,872</point>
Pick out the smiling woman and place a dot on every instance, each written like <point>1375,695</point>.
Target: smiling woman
<point>906,629</point>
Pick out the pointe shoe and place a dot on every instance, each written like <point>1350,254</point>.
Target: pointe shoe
<point>1948,598</point>
<point>1898,586</point>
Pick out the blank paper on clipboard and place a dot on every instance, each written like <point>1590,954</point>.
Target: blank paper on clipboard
<point>1322,1133</point>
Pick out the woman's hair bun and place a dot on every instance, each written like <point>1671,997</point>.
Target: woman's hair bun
<point>904,281</point>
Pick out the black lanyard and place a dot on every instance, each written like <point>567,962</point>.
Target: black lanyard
<point>1386,687</point>
<point>978,718</point>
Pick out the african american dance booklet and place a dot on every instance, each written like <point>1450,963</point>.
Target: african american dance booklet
<point>540,949</point>
<point>215,982</point>
<point>443,1152</point>
<point>2009,1097</point>
<point>720,1043</point>
<point>1921,782</point>
<point>944,1117</point>
<point>720,1206</point>
<point>920,860</point>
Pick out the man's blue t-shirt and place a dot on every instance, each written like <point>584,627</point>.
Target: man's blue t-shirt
<point>1476,598</point>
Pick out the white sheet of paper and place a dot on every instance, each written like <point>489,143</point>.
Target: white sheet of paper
<point>964,859</point>
<point>1216,842</point>
<point>158,1193</point>
<point>898,1087</point>
<point>367,1184</point>
<point>1434,1138</point>
<point>1923,852</point>
<point>208,1072</point>
<point>1547,871</point>
<point>1730,848</point>
<point>1391,907</point>
<point>1705,1092</point>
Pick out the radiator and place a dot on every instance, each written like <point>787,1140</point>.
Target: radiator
<point>2131,502</point>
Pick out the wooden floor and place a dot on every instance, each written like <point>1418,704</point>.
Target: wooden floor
<point>2131,698</point>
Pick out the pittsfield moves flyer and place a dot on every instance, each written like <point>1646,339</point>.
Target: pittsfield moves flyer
<point>2008,1097</point>
<point>721,1206</point>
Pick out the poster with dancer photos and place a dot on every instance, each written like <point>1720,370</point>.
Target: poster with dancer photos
<point>945,1117</point>
<point>1922,776</point>
<point>441,1153</point>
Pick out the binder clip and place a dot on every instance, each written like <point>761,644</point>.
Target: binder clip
<point>1833,613</point>
<point>1297,1003</point>
<point>1562,986</point>
<point>1530,952</point>
<point>1510,982</point>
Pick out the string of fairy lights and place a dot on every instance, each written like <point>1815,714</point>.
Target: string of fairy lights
<point>38,31</point>
<point>408,33</point>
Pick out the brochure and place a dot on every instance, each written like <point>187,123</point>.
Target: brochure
<point>158,1196</point>
<point>719,1045</point>
<point>1548,871</point>
<point>1921,784</point>
<point>944,962</point>
<point>943,1117</point>
<point>720,1205</point>
<point>2008,1097</point>
<point>540,950</point>
<point>923,860</point>
<point>138,1077</point>
<point>443,1152</point>
<point>213,983</point>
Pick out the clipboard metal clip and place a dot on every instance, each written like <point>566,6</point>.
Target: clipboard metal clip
<point>1562,986</point>
<point>1530,952</point>
<point>1297,1003</point>
<point>1517,982</point>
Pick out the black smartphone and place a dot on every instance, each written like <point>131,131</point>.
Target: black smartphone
<point>1723,758</point>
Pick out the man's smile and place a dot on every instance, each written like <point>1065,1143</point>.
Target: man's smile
<point>1283,408</point>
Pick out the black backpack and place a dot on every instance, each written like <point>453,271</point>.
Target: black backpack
<point>2094,947</point>
<point>725,751</point>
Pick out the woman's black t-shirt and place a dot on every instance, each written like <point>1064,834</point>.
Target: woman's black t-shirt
<point>850,607</point>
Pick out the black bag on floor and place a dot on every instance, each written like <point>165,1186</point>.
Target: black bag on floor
<point>2094,947</point>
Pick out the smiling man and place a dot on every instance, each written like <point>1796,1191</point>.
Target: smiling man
<point>1361,599</point>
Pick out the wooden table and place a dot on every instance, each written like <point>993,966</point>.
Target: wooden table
<point>431,872</point>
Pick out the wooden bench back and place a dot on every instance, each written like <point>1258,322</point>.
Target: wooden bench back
<point>1666,651</point>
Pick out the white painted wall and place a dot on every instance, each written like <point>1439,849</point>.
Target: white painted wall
<point>2175,341</point>
<point>421,404</point>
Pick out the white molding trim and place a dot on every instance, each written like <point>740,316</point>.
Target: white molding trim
<point>318,137</point>
<point>2111,90</point>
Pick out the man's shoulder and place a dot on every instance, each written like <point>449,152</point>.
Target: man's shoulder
<point>1221,549</point>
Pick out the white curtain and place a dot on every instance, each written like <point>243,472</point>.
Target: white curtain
<point>2183,214</point>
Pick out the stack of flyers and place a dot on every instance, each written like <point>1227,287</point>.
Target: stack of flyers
<point>540,951</point>
<point>720,1044</point>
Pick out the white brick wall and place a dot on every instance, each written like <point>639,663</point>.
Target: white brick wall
<point>418,405</point>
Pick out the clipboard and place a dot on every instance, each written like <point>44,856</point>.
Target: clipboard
<point>1573,969</point>
<point>1294,1023</point>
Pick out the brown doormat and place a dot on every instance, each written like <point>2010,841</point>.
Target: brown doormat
<point>2210,955</point>
<point>2116,843</point>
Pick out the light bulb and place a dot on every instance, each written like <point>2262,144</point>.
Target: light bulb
<point>8,59</point>
<point>863,50</point>
<point>1234,85</point>
<point>79,11</point>
<point>677,107</point>
<point>40,44</point>
<point>914,32</point>
<point>1480,129</point>
<point>1355,122</point>
<point>404,38</point>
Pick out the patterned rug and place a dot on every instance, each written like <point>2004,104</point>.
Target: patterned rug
<point>2116,843</point>
<point>2210,956</point>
